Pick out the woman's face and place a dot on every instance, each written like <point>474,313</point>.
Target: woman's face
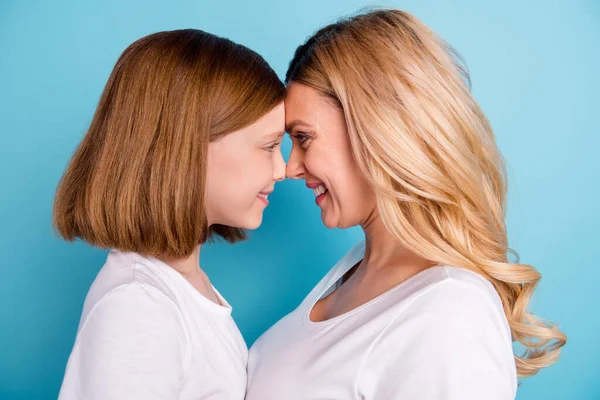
<point>321,155</point>
<point>242,168</point>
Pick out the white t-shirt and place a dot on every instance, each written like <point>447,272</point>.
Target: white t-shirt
<point>146,333</point>
<point>440,335</point>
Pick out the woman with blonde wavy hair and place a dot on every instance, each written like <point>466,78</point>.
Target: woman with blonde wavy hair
<point>387,134</point>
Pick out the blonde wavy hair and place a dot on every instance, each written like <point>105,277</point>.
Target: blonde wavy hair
<point>428,150</point>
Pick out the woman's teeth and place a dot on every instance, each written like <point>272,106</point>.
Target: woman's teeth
<point>264,196</point>
<point>319,190</point>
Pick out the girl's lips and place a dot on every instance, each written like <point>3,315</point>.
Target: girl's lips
<point>263,197</point>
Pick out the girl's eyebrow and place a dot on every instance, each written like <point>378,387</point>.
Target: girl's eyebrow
<point>274,135</point>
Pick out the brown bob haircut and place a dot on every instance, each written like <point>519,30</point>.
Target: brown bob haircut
<point>137,180</point>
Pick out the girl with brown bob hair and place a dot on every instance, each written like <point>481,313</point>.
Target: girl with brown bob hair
<point>183,148</point>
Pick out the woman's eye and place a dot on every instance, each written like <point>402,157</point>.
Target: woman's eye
<point>303,138</point>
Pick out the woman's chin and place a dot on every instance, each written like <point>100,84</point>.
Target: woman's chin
<point>335,222</point>
<point>328,221</point>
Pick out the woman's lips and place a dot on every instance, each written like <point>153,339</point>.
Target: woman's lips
<point>319,189</point>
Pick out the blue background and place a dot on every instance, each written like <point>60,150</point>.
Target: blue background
<point>534,66</point>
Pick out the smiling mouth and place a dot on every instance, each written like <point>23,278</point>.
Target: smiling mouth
<point>320,193</point>
<point>264,197</point>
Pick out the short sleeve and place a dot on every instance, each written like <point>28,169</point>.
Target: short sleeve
<point>452,343</point>
<point>130,347</point>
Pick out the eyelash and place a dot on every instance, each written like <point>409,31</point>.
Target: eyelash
<point>302,138</point>
<point>272,147</point>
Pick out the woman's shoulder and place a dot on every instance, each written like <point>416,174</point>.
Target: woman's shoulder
<point>448,300</point>
<point>451,331</point>
<point>456,290</point>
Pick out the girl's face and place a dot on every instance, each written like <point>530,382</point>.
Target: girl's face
<point>322,156</point>
<point>242,168</point>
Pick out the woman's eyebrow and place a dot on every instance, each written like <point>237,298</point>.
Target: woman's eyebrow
<point>289,127</point>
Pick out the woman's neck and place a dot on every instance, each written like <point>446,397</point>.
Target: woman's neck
<point>383,250</point>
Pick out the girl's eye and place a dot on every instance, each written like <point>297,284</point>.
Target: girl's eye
<point>272,147</point>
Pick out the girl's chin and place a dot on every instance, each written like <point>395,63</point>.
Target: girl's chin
<point>254,222</point>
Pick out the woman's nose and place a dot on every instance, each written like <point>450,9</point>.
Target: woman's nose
<point>295,166</point>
